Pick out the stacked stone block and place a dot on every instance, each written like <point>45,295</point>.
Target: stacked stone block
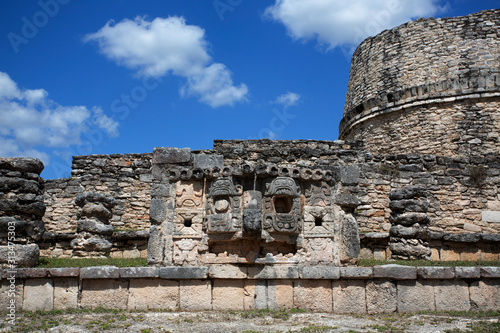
<point>21,211</point>
<point>93,228</point>
<point>409,220</point>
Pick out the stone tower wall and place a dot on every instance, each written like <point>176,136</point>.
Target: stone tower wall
<point>430,86</point>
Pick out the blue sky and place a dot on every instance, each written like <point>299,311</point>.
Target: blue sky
<point>102,77</point>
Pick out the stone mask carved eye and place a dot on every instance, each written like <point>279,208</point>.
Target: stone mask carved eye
<point>283,205</point>
<point>222,205</point>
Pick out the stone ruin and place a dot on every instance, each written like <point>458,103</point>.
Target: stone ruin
<point>416,174</point>
<point>21,211</point>
<point>205,211</point>
<point>93,228</point>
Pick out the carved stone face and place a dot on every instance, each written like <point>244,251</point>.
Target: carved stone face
<point>222,187</point>
<point>282,186</point>
<point>252,222</point>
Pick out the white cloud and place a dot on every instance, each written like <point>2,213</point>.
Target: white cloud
<point>288,99</point>
<point>332,23</point>
<point>169,46</point>
<point>29,121</point>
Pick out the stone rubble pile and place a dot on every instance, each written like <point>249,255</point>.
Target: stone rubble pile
<point>93,227</point>
<point>409,221</point>
<point>21,211</point>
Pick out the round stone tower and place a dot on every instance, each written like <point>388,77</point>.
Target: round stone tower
<point>430,86</point>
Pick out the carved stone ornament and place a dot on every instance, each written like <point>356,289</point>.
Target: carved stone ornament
<point>189,194</point>
<point>282,186</point>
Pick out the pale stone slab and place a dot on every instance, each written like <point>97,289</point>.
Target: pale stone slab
<point>107,293</point>
<point>490,272</point>
<point>227,272</point>
<point>147,294</point>
<point>349,296</point>
<point>467,272</point>
<point>319,272</point>
<point>195,295</point>
<point>183,272</point>
<point>439,273</point>
<point>414,296</point>
<point>449,255</point>
<point>313,295</point>
<point>485,295</point>
<point>273,272</point>
<point>381,296</point>
<point>100,272</point>
<point>280,294</point>
<point>397,272</point>
<point>490,216</point>
<point>38,295</point>
<point>228,295</point>
<point>250,295</point>
<point>356,272</point>
<point>65,294</point>
<point>451,295</point>
<point>139,272</point>
<point>16,292</point>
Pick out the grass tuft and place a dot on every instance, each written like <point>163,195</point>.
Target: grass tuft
<point>88,262</point>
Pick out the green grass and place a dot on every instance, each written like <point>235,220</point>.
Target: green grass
<point>372,262</point>
<point>88,262</point>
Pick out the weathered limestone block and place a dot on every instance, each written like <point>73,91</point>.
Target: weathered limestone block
<point>381,296</point>
<point>350,244</point>
<point>147,294</point>
<point>195,295</point>
<point>23,255</point>
<point>21,210</point>
<point>485,295</point>
<point>451,295</point>
<point>313,295</point>
<point>65,293</point>
<point>11,291</point>
<point>438,273</point>
<point>273,272</point>
<point>33,229</point>
<point>107,293</point>
<point>38,295</point>
<point>414,296</point>
<point>94,227</point>
<point>349,296</point>
<point>94,230</point>
<point>228,295</point>
<point>280,294</point>
<point>397,272</point>
<point>227,272</point>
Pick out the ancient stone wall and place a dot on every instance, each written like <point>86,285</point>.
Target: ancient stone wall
<point>463,192</point>
<point>430,86</point>
<point>126,178</point>
<point>379,289</point>
<point>21,211</point>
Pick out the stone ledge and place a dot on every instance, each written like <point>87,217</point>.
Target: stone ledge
<point>396,272</point>
<point>24,273</point>
<point>227,272</point>
<point>490,272</point>
<point>356,272</point>
<point>467,272</point>
<point>139,272</point>
<point>441,273</point>
<point>100,272</point>
<point>183,272</point>
<point>319,272</point>
<point>273,272</point>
